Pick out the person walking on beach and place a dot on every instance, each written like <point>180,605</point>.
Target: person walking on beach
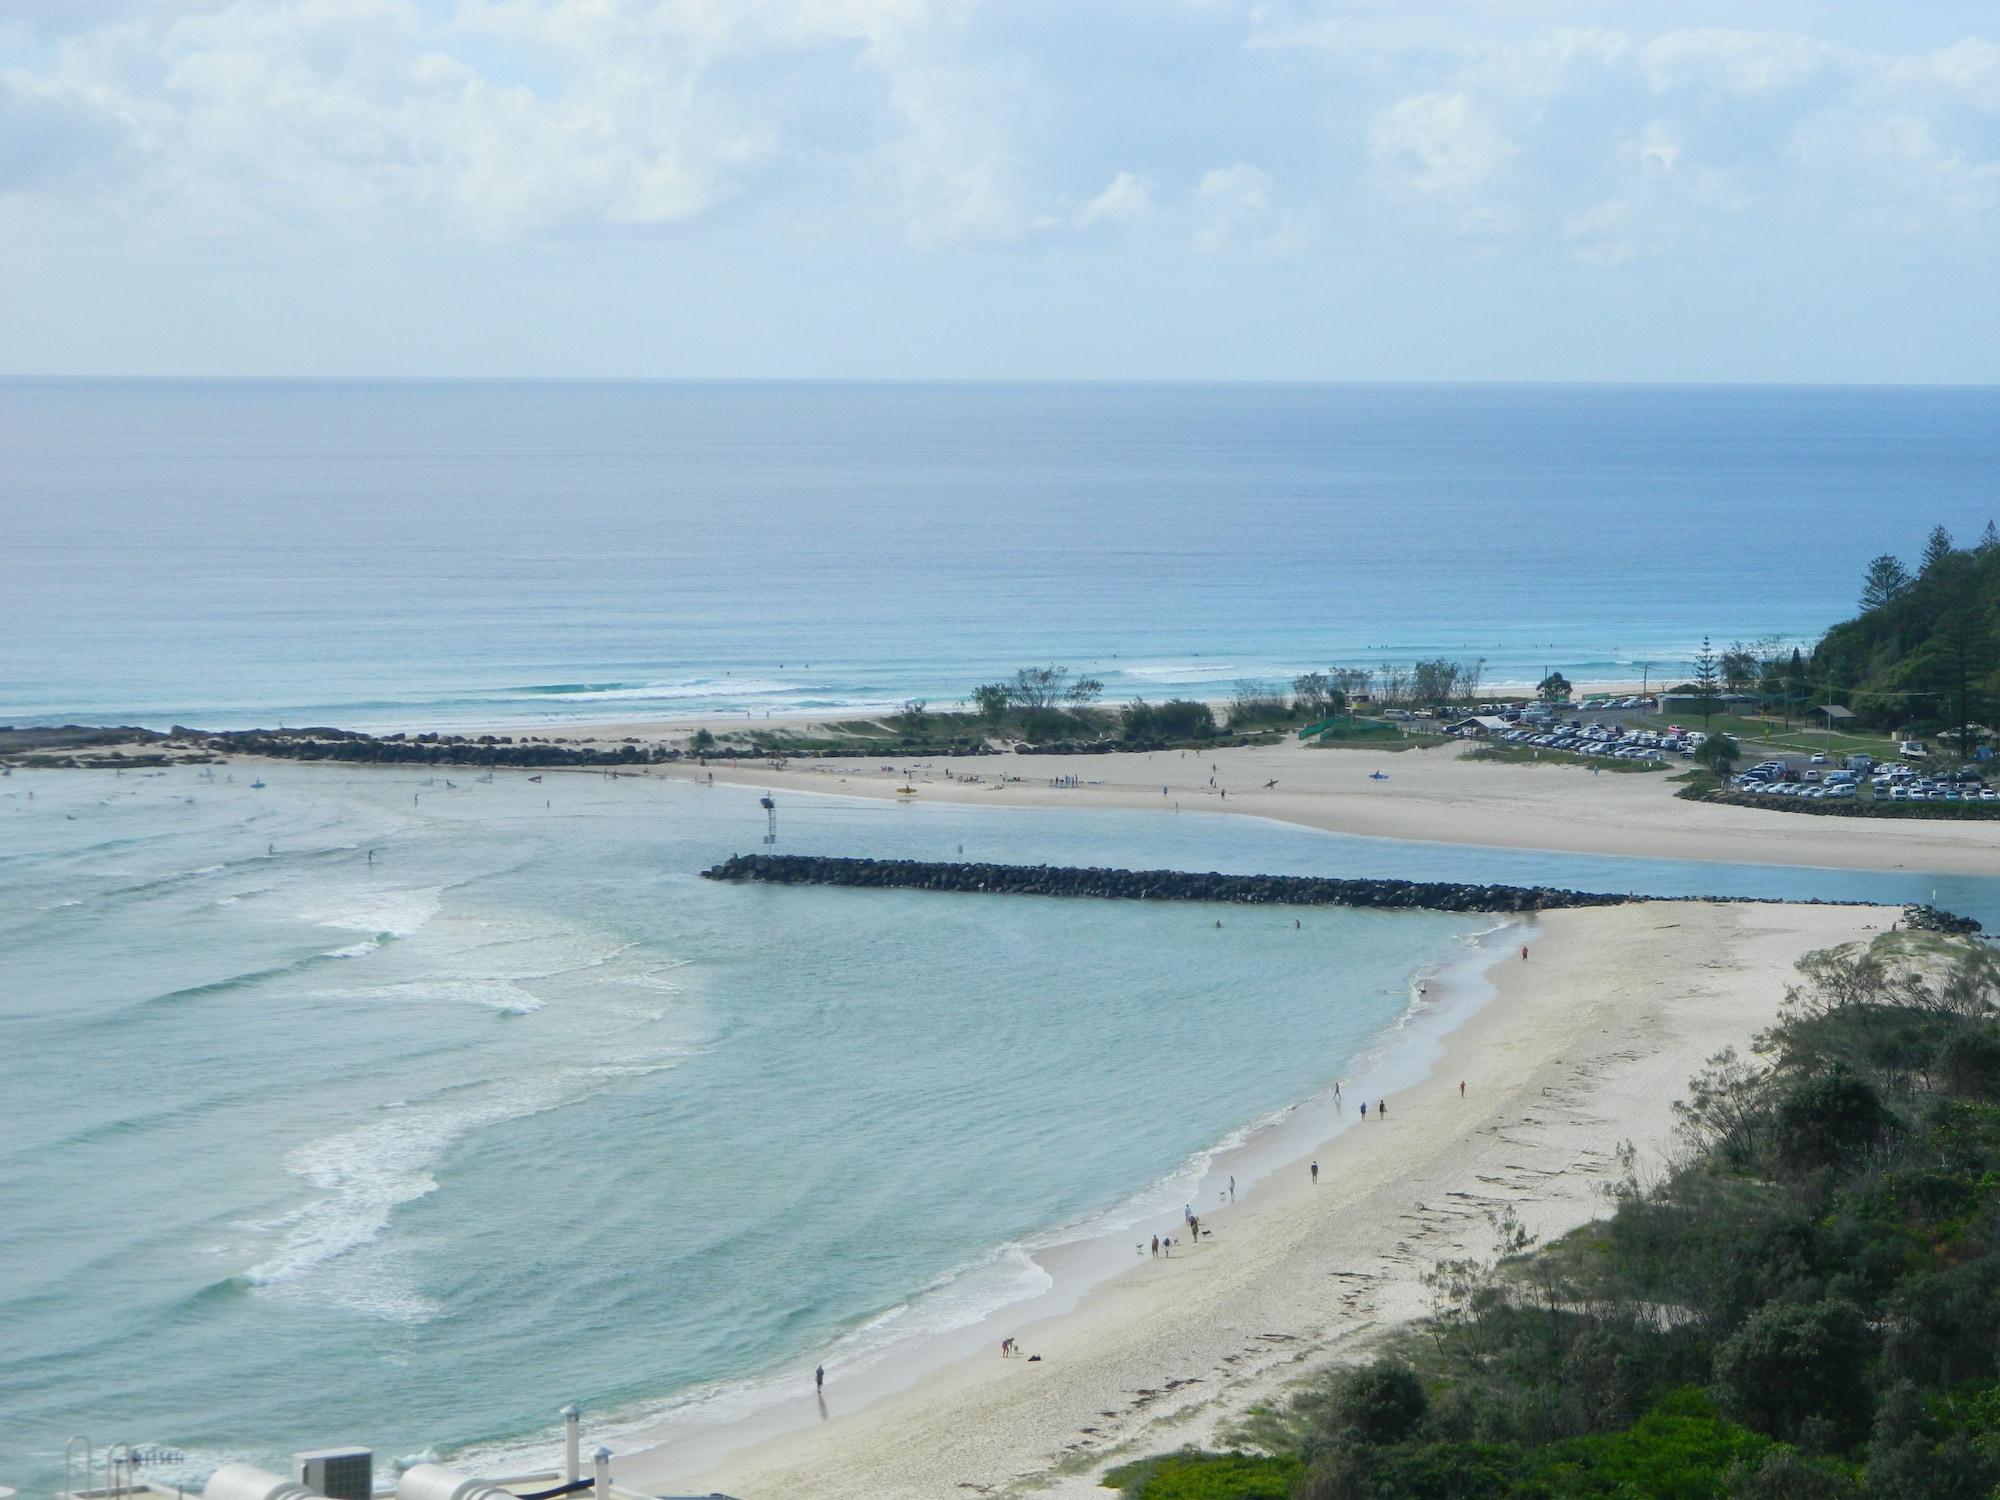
<point>1156,1247</point>
<point>1524,953</point>
<point>1336,1088</point>
<point>1315,1174</point>
<point>1461,1088</point>
<point>1364,1109</point>
<point>1232,1189</point>
<point>819,1378</point>
<point>1381,1109</point>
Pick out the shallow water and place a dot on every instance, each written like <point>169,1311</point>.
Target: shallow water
<point>310,1150</point>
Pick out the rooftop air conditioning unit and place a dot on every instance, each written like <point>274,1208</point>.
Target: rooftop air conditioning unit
<point>337,1473</point>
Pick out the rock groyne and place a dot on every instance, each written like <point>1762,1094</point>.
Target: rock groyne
<point>1151,885</point>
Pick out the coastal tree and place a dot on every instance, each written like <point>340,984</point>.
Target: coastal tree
<point>1352,682</point>
<point>1886,582</point>
<point>1719,752</point>
<point>1739,666</point>
<point>1392,684</point>
<point>1185,719</point>
<point>1313,693</point>
<point>914,716</point>
<point>1707,671</point>
<point>1960,653</point>
<point>1989,540</point>
<point>992,700</point>
<point>1937,548</point>
<point>1038,688</point>
<point>1258,703</point>
<point>1554,688</point>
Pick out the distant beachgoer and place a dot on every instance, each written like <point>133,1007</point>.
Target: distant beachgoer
<point>1295,924</point>
<point>1156,1246</point>
<point>1315,1174</point>
<point>1364,1109</point>
<point>1336,1088</point>
<point>1232,1189</point>
<point>1381,1109</point>
<point>1461,1088</point>
<point>1524,953</point>
<point>819,1378</point>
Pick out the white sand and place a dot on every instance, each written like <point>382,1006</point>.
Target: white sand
<point>1435,795</point>
<point>1583,1047</point>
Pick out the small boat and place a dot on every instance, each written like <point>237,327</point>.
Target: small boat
<point>257,785</point>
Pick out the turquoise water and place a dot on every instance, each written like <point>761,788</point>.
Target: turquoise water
<point>410,554</point>
<point>306,1149</point>
<point>525,1112</point>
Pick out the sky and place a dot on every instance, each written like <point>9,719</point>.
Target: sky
<point>1428,190</point>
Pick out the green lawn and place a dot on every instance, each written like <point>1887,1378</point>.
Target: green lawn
<point>1772,734</point>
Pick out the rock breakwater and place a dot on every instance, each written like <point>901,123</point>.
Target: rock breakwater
<point>1152,885</point>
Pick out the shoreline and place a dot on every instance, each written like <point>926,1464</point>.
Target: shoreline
<point>1075,1261</point>
<point>1564,1061</point>
<point>1431,795</point>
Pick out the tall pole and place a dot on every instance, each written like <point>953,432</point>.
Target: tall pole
<point>572,1442</point>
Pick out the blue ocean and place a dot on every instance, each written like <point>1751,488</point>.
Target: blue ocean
<point>399,1108</point>
<point>397,554</point>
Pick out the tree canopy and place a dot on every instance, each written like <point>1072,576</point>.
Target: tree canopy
<point>1924,653</point>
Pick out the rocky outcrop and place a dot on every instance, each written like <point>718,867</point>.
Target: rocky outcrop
<point>1930,919</point>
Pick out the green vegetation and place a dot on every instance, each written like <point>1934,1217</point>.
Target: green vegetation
<point>1923,656</point>
<point>1761,734</point>
<point>1719,752</point>
<point>1536,755</point>
<point>1208,1476</point>
<point>1806,1305</point>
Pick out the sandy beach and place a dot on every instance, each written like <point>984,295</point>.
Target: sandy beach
<point>1437,795</point>
<point>1572,1057</point>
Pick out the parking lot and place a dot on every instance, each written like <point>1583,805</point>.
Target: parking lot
<point>1819,777</point>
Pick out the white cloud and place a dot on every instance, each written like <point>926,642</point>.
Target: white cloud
<point>1126,199</point>
<point>1237,213</point>
<point>1438,144</point>
<point>1600,235</point>
<point>1737,62</point>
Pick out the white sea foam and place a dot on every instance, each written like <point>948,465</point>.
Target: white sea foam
<point>503,995</point>
<point>365,1174</point>
<point>683,688</point>
<point>392,913</point>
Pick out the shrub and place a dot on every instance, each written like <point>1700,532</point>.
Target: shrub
<point>1826,1120</point>
<point>1207,1476</point>
<point>1381,1403</point>
<point>1792,1362</point>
